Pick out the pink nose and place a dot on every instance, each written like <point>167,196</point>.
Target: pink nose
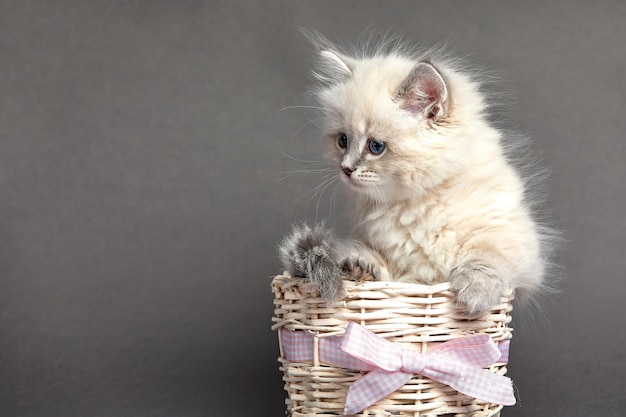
<point>347,171</point>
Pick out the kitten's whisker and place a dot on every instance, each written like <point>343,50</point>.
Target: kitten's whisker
<point>312,192</point>
<point>317,190</point>
<point>299,107</point>
<point>333,198</point>
<point>319,198</point>
<point>312,121</point>
<point>281,176</point>
<point>315,167</point>
<point>293,158</point>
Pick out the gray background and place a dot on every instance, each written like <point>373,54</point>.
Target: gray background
<point>141,149</point>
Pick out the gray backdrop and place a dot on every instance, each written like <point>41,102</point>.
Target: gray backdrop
<point>141,149</point>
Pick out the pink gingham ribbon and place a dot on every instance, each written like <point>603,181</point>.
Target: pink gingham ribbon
<point>457,363</point>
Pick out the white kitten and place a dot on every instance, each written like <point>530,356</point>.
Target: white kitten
<point>435,197</point>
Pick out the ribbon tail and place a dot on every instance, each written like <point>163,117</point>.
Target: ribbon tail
<point>477,350</point>
<point>373,387</point>
<point>475,382</point>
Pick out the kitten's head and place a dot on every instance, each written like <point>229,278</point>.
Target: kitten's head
<point>397,124</point>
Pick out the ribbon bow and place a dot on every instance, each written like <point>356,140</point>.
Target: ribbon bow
<point>457,363</point>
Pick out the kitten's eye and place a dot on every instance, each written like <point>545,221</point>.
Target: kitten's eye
<point>342,140</point>
<point>376,147</point>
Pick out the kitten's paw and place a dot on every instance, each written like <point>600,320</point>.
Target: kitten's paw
<point>478,287</point>
<point>358,268</point>
<point>311,252</point>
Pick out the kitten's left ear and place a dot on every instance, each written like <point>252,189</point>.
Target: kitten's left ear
<point>332,65</point>
<point>425,92</point>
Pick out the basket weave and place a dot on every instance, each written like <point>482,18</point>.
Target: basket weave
<point>422,315</point>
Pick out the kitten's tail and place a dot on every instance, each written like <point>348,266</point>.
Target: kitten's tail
<point>311,252</point>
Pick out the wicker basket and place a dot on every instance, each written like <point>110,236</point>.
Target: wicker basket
<point>421,315</point>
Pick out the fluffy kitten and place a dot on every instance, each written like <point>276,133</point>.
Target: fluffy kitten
<point>435,197</point>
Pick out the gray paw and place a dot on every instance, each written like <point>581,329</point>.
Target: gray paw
<point>478,287</point>
<point>311,252</point>
<point>358,268</point>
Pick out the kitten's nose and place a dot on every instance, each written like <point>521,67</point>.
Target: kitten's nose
<point>347,171</point>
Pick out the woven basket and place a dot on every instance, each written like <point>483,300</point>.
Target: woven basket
<point>421,315</point>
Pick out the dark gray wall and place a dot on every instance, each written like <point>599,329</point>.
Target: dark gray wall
<point>140,142</point>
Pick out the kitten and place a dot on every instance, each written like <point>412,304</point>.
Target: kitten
<point>435,196</point>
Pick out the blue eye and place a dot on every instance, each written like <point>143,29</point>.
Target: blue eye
<point>342,140</point>
<point>376,147</point>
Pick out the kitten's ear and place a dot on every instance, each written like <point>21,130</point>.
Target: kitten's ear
<point>425,92</point>
<point>333,66</point>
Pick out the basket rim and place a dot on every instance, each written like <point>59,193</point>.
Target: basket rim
<point>378,285</point>
<point>375,303</point>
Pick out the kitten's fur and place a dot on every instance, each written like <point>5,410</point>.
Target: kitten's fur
<point>441,202</point>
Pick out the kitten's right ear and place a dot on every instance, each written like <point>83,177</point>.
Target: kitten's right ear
<point>333,66</point>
